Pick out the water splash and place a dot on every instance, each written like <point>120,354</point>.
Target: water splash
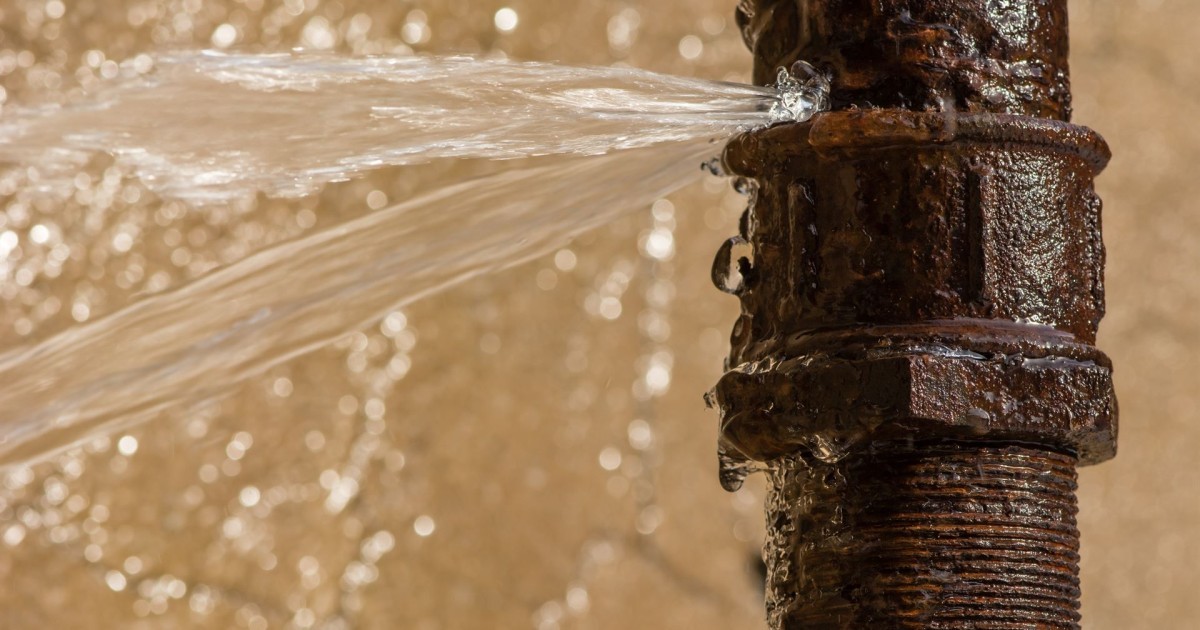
<point>208,127</point>
<point>803,92</point>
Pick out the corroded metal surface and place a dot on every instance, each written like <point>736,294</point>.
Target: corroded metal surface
<point>974,55</point>
<point>922,271</point>
<point>922,282</point>
<point>944,536</point>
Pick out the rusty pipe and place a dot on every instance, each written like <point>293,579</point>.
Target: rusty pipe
<point>921,289</point>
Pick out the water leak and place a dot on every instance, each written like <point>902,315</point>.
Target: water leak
<point>210,126</point>
<point>803,91</point>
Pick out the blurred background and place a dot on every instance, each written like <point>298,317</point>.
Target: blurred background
<point>530,449</point>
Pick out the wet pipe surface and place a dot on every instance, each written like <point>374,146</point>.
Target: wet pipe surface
<point>920,300</point>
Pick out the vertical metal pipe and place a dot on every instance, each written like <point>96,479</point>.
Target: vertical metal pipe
<point>921,284</point>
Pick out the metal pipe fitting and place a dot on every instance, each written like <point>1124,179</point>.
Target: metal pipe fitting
<point>921,289</point>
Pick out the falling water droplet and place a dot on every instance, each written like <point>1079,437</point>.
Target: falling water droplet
<point>713,167</point>
<point>745,186</point>
<point>733,469</point>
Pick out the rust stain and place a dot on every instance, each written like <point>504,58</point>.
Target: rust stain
<point>922,302</point>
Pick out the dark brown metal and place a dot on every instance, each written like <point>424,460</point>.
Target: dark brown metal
<point>946,535</point>
<point>1005,56</point>
<point>915,355</point>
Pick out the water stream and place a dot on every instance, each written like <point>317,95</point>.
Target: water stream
<point>208,128</point>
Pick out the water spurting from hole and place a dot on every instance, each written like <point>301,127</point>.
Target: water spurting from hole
<point>209,128</point>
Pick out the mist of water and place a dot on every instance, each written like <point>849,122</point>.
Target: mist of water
<point>212,127</point>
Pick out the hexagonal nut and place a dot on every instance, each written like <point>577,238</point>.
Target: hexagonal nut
<point>775,408</point>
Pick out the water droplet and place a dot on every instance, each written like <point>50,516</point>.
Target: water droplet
<point>714,167</point>
<point>733,469</point>
<point>14,534</point>
<point>734,262</point>
<point>506,20</point>
<point>577,599</point>
<point>115,580</point>
<point>424,526</point>
<point>691,47</point>
<point>610,459</point>
<point>127,445</point>
<point>224,36</point>
<point>745,186</point>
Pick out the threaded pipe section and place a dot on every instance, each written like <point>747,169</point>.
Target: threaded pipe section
<point>944,535</point>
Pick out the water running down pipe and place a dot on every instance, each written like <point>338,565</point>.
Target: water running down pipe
<point>914,360</point>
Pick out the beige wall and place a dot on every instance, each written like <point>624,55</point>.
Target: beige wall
<point>516,385</point>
